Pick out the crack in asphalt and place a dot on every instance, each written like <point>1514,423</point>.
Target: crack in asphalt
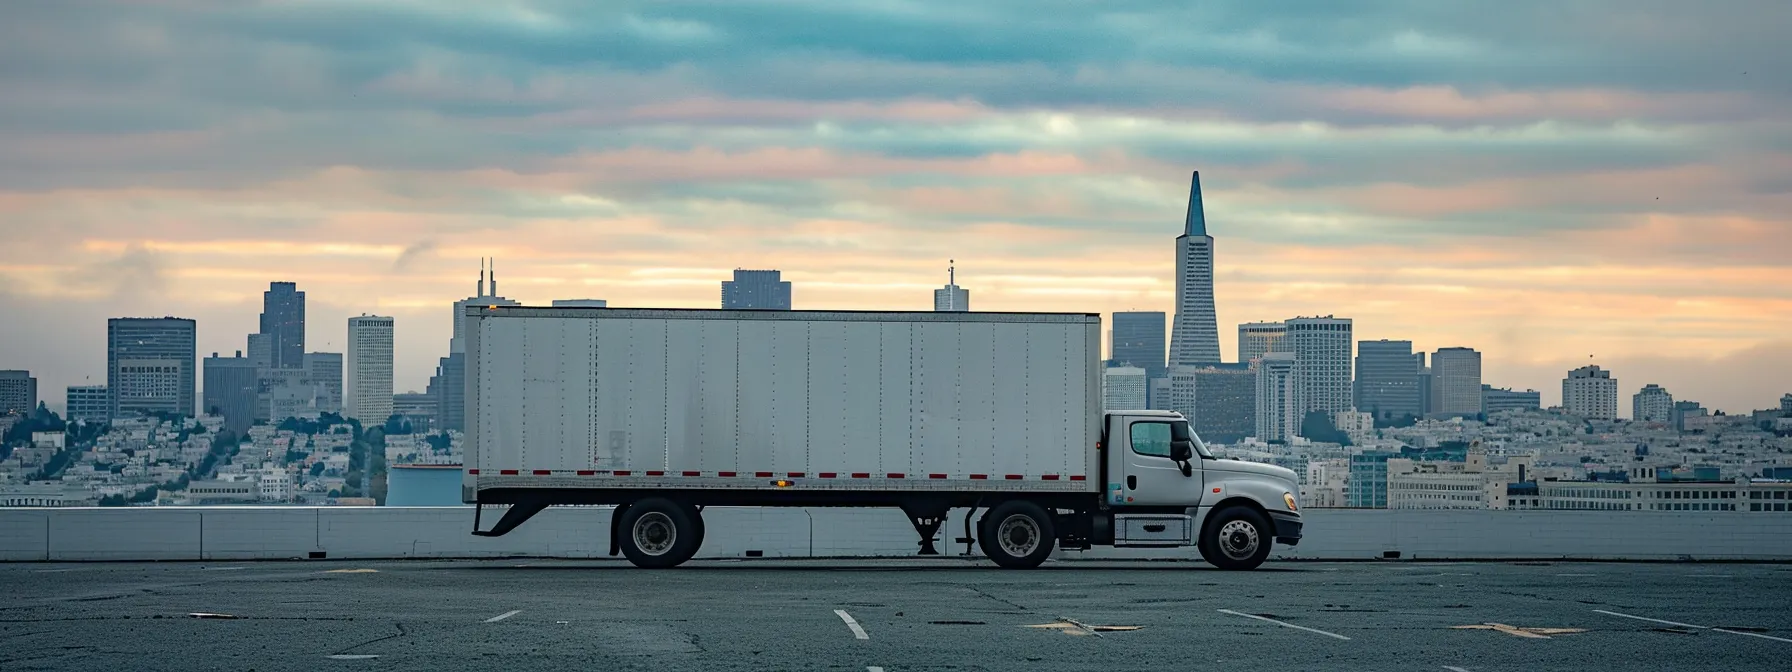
<point>401,632</point>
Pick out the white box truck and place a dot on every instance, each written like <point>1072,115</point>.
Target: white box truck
<point>663,412</point>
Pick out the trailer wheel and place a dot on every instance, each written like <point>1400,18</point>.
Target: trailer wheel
<point>1017,534</point>
<point>658,533</point>
<point>1236,538</point>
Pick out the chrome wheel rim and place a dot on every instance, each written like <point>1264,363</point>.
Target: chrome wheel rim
<point>1018,535</point>
<point>655,534</point>
<point>1238,540</point>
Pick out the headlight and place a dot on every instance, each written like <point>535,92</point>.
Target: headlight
<point>1288,498</point>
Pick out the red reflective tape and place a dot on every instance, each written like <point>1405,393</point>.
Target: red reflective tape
<point>725,474</point>
<point>621,473</point>
<point>762,474</point>
<point>506,472</point>
<point>1050,477</point>
<point>693,473</point>
<point>1013,477</point>
<point>895,475</point>
<point>543,472</point>
<point>979,477</point>
<point>794,474</point>
<point>587,472</point>
<point>861,474</point>
<point>474,472</point>
<point>827,474</point>
<point>1079,478</point>
<point>656,473</point>
<point>936,475</point>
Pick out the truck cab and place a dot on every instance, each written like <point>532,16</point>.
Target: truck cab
<point>1164,488</point>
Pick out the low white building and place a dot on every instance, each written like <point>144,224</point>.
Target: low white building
<point>276,485</point>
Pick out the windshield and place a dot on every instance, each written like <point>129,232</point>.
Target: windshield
<point>1180,431</point>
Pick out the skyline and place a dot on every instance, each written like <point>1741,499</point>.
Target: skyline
<point>1415,168</point>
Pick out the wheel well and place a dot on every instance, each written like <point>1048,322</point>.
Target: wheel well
<point>1232,503</point>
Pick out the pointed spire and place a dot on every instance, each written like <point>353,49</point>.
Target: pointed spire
<point>481,277</point>
<point>494,276</point>
<point>1197,217</point>
<point>952,273</point>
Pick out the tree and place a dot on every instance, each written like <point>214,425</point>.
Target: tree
<point>317,469</point>
<point>1317,426</point>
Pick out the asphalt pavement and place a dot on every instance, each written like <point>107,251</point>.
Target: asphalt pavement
<point>893,615</point>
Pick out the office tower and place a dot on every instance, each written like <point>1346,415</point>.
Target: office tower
<point>1456,382</point>
<point>368,393</point>
<point>1158,394</point>
<point>1687,409</point>
<point>88,403</point>
<point>448,387</point>
<point>150,365</point>
<point>1224,401</point>
<point>756,290</point>
<point>1652,404</point>
<point>581,303</point>
<point>1387,380</point>
<point>230,390</point>
<point>1195,336</point>
<point>18,393</point>
<point>1322,345</point>
<point>1590,392</point>
<point>283,325</point>
<point>1504,399</point>
<point>419,409</point>
<point>1369,479</point>
<point>481,298</point>
<point>1425,383</point>
<point>1123,388</point>
<point>1279,406</point>
<point>1256,339</point>
<point>1137,340</point>
<point>951,298</point>
<point>324,371</point>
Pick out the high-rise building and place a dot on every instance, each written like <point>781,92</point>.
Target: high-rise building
<point>1222,407</point>
<point>1137,340</point>
<point>369,389</point>
<point>482,298</point>
<point>88,403</point>
<point>1456,382</point>
<point>283,325</point>
<point>581,303</point>
<point>1256,339</point>
<point>1278,397</point>
<point>1652,404</point>
<point>151,365</point>
<point>325,373</point>
<point>449,389</point>
<point>1195,335</point>
<point>1387,380</point>
<point>951,298</point>
<point>1425,383</point>
<point>1504,399</point>
<point>1786,403</point>
<point>1590,392</point>
<point>18,392</point>
<point>417,408</point>
<point>1369,479</point>
<point>1687,409</point>
<point>1123,388</point>
<point>230,391</point>
<point>756,290</point>
<point>1322,345</point>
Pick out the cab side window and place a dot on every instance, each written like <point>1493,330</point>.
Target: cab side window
<point>1151,438</point>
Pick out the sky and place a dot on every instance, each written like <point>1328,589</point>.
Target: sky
<point>1551,183</point>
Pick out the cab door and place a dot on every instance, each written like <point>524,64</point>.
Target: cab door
<point>1148,476</point>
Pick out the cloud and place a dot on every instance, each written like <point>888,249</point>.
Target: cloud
<point>412,253</point>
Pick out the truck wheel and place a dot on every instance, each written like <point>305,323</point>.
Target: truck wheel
<point>1017,535</point>
<point>658,533</point>
<point>1236,538</point>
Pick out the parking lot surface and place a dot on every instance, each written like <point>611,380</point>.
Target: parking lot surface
<point>893,615</point>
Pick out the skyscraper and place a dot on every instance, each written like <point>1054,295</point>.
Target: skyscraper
<point>1225,402</point>
<point>1256,339</point>
<point>1652,404</point>
<point>581,303</point>
<point>1456,382</point>
<point>150,365</point>
<point>283,325</point>
<point>18,393</point>
<point>951,298</point>
<point>1195,336</point>
<point>756,290</point>
<point>1278,396</point>
<point>1123,388</point>
<point>230,391</point>
<point>481,298</point>
<point>324,373</point>
<point>1590,392</point>
<point>448,386</point>
<point>368,394</point>
<point>1387,380</point>
<point>88,403</point>
<point>1322,345</point>
<point>1504,399</point>
<point>1138,340</point>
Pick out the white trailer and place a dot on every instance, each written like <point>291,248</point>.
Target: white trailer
<point>662,412</point>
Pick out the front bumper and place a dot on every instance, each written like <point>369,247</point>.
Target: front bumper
<point>1288,527</point>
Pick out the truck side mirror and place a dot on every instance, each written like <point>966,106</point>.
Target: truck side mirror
<point>1182,451</point>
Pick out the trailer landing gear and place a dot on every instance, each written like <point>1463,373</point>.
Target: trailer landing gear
<point>927,520</point>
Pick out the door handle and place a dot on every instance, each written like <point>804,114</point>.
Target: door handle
<point>1132,482</point>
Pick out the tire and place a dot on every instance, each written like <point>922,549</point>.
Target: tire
<point>1236,538</point>
<point>659,533</point>
<point>1017,534</point>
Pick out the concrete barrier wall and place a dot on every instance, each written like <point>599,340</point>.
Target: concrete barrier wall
<point>226,533</point>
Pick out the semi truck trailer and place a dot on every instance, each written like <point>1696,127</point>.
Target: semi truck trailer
<point>662,413</point>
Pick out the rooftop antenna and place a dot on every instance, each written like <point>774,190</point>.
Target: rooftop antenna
<point>952,272</point>
<point>494,276</point>
<point>481,277</point>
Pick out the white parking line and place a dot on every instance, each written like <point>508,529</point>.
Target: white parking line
<point>1577,575</point>
<point>874,668</point>
<point>856,630</point>
<point>1285,625</point>
<point>1695,627</point>
<point>503,616</point>
<point>1453,668</point>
